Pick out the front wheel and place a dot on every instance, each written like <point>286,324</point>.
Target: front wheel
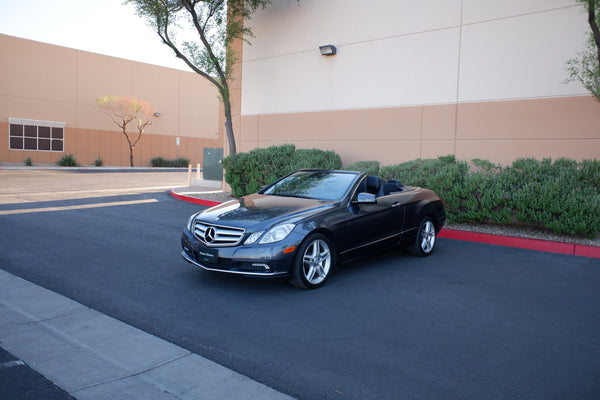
<point>425,241</point>
<point>313,262</point>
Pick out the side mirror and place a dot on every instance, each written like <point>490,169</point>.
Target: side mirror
<point>366,198</point>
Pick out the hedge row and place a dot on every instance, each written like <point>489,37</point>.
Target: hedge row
<point>563,196</point>
<point>260,167</point>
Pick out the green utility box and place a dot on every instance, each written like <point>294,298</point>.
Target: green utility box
<point>213,167</point>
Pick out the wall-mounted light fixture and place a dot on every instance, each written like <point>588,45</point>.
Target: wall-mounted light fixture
<point>157,114</point>
<point>327,50</point>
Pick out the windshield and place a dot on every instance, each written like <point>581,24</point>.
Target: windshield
<point>321,185</point>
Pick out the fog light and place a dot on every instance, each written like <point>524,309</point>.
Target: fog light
<point>262,265</point>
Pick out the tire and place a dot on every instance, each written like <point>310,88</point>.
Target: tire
<point>313,262</point>
<point>425,240</point>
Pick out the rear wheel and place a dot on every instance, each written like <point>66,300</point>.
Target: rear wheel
<point>313,262</point>
<point>425,240</point>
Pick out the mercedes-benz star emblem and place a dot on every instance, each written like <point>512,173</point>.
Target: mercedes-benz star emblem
<point>210,235</point>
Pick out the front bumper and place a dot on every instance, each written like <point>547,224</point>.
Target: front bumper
<point>266,261</point>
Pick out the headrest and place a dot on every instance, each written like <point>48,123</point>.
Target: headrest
<point>373,183</point>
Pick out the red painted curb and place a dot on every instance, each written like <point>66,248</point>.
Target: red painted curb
<point>509,241</point>
<point>195,200</point>
<point>587,251</point>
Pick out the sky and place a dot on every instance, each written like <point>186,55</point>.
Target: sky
<point>98,26</point>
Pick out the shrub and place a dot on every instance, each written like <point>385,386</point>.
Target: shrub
<point>481,199</point>
<point>179,163</point>
<point>67,161</point>
<point>563,196</point>
<point>315,158</point>
<point>368,167</point>
<point>260,167</point>
<point>28,162</point>
<point>485,166</point>
<point>159,162</point>
<point>444,175</point>
<point>98,162</point>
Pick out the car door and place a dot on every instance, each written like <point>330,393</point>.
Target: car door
<point>368,224</point>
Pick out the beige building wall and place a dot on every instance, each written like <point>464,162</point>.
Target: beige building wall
<point>474,78</point>
<point>53,83</point>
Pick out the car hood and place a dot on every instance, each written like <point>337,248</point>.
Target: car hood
<point>259,211</point>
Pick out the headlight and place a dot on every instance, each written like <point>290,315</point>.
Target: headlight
<point>253,237</point>
<point>277,233</point>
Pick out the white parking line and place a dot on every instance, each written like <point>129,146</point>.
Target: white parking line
<point>12,364</point>
<point>76,207</point>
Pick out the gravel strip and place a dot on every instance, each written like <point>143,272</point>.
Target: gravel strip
<point>214,196</point>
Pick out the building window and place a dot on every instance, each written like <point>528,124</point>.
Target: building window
<point>30,134</point>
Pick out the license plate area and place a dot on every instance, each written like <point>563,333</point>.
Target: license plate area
<point>207,255</point>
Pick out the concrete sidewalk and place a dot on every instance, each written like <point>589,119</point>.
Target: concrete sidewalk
<point>25,185</point>
<point>93,356</point>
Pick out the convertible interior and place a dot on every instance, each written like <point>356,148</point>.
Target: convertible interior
<point>374,185</point>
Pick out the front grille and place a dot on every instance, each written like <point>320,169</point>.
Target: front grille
<point>216,235</point>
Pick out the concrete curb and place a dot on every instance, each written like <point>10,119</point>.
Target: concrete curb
<point>455,234</point>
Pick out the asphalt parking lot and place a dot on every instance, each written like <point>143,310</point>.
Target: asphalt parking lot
<point>472,321</point>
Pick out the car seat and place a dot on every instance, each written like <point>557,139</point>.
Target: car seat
<point>374,185</point>
<point>392,185</point>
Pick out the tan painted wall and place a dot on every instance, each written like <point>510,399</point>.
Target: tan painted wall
<point>474,78</point>
<point>53,83</point>
<point>498,131</point>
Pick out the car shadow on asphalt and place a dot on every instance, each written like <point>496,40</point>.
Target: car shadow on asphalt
<point>225,281</point>
<point>375,265</point>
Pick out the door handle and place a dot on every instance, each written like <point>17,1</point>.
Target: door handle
<point>396,204</point>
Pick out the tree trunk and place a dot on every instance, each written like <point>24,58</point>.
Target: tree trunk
<point>594,26</point>
<point>229,127</point>
<point>130,145</point>
<point>130,155</point>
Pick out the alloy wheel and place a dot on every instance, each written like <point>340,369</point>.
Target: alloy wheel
<point>427,237</point>
<point>316,262</point>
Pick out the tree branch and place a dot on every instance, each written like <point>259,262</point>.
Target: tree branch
<point>209,15</point>
<point>215,61</point>
<point>141,128</point>
<point>164,36</point>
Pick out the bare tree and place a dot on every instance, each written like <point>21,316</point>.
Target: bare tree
<point>128,110</point>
